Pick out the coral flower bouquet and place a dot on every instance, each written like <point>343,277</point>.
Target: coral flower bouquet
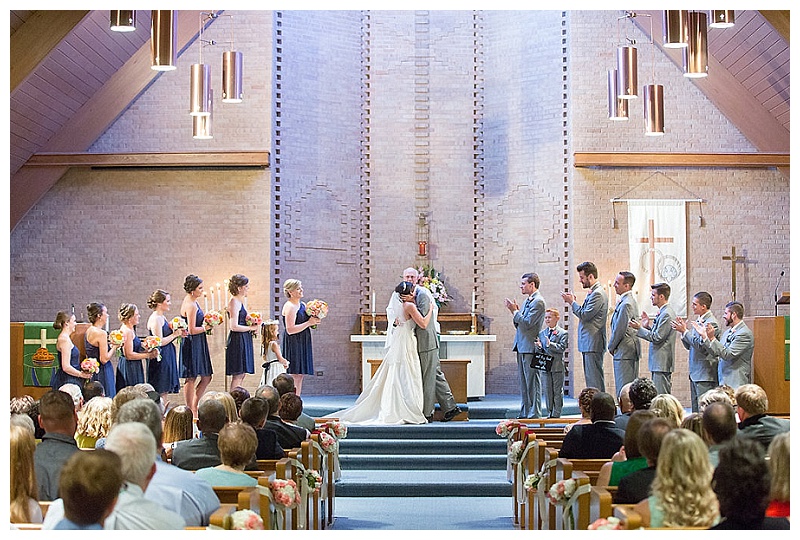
<point>90,365</point>
<point>317,308</point>
<point>254,318</point>
<point>244,520</point>
<point>211,319</point>
<point>151,343</point>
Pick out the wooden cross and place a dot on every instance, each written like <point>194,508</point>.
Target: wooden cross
<point>651,241</point>
<point>734,259</point>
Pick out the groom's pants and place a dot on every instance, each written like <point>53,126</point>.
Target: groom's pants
<point>434,385</point>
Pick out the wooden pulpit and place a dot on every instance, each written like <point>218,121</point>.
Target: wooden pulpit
<point>771,360</point>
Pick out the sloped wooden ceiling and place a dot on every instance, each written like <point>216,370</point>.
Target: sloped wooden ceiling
<point>71,77</point>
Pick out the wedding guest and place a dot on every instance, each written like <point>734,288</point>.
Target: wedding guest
<point>601,438</point>
<point>162,372</point>
<point>254,412</point>
<point>274,362</point>
<point>97,346</point>
<point>239,395</point>
<point>719,426</point>
<point>178,426</point>
<point>667,406</point>
<point>296,345</point>
<point>778,453</point>
<point>752,405</point>
<point>68,369</point>
<point>24,421</point>
<point>231,413</point>
<point>195,359</point>
<point>642,392</point>
<point>714,395</point>
<point>24,492</point>
<point>289,436</point>
<point>93,389</point>
<point>30,407</point>
<point>239,352</point>
<point>635,486</point>
<point>130,370</point>
<point>75,393</point>
<point>94,422</point>
<point>625,406</point>
<point>694,422</point>
<point>629,459</point>
<point>237,445</point>
<point>585,406</point>
<point>284,384</point>
<point>681,491</point>
<point>59,420</point>
<point>203,451</point>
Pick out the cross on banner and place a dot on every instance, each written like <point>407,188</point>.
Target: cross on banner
<point>651,244</point>
<point>43,342</point>
<point>734,259</point>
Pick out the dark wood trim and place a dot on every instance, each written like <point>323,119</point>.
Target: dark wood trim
<point>656,159</point>
<point>151,159</point>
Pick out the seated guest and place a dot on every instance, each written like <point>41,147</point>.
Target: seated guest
<point>667,406</point>
<point>629,458</point>
<point>694,422</point>
<point>24,494</point>
<point>755,423</point>
<point>635,487</point>
<point>237,444</point>
<point>290,407</point>
<point>171,487</point>
<point>625,406</point>
<point>227,401</point>
<point>94,422</point>
<point>239,395</point>
<point>92,389</point>
<point>714,395</point>
<point>778,453</point>
<point>58,418</point>
<point>742,484</point>
<point>27,405</point>
<point>601,438</point>
<point>289,436</point>
<point>681,491</point>
<point>254,412</point>
<point>89,487</point>
<point>719,426</point>
<point>642,392</point>
<point>77,395</point>
<point>24,421</point>
<point>585,406</point>
<point>129,393</point>
<point>135,445</point>
<point>178,426</point>
<point>284,383</point>
<point>203,452</point>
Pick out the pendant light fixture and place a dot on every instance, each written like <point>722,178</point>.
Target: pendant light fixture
<point>123,20</point>
<point>695,56</point>
<point>201,125</point>
<point>721,18</point>
<point>200,78</point>
<point>163,40</point>
<point>654,110</point>
<point>232,73</point>
<point>627,67</point>
<point>617,107</point>
<point>676,28</point>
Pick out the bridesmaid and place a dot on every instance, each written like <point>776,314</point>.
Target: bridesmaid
<point>163,375</point>
<point>296,344</point>
<point>130,370</point>
<point>97,346</point>
<point>239,352</point>
<point>195,358</point>
<point>69,357</point>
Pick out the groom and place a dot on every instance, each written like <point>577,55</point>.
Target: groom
<point>434,385</point>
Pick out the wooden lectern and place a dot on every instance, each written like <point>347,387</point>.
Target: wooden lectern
<point>771,360</point>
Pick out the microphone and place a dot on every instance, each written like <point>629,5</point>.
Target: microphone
<point>777,286</point>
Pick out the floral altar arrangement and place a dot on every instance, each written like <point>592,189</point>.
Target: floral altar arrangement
<point>244,520</point>
<point>211,319</point>
<point>90,365</point>
<point>610,523</point>
<point>434,282</point>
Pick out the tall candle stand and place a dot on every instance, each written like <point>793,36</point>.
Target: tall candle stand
<point>473,329</point>
<point>373,330</point>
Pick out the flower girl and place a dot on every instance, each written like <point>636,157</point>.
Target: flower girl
<point>274,363</point>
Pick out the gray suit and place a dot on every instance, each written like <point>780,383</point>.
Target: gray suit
<point>553,380</point>
<point>434,385</point>
<point>661,358</point>
<point>622,343</point>
<point>593,315</point>
<point>702,360</point>
<point>528,321</point>
<point>735,352</point>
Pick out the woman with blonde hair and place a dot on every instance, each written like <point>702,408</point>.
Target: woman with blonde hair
<point>94,421</point>
<point>667,406</point>
<point>178,426</point>
<point>296,345</point>
<point>681,490</point>
<point>227,401</point>
<point>779,472</point>
<point>24,494</point>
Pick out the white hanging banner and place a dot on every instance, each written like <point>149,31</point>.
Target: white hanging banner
<point>657,242</point>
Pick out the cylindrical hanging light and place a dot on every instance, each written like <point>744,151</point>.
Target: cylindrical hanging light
<point>627,72</point>
<point>123,20</point>
<point>163,40</point>
<point>617,108</point>
<point>200,90</point>
<point>676,28</point>
<point>695,57</point>
<point>231,77</point>
<point>201,125</point>
<point>721,18</point>
<point>654,109</point>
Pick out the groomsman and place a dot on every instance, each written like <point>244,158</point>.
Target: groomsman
<point>553,340</point>
<point>661,335</point>
<point>592,317</point>
<point>622,343</point>
<point>528,321</point>
<point>702,361</point>
<point>734,349</point>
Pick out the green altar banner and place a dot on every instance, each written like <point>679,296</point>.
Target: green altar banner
<point>37,364</point>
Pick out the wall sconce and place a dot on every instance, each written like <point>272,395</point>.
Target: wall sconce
<point>123,20</point>
<point>721,18</point>
<point>163,40</point>
<point>422,235</point>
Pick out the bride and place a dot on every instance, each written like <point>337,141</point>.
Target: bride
<point>394,394</point>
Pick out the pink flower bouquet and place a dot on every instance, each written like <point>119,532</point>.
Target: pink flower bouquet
<point>90,365</point>
<point>254,318</point>
<point>317,308</point>
<point>285,492</point>
<point>328,442</point>
<point>610,523</point>
<point>211,319</point>
<point>562,491</point>
<point>337,429</point>
<point>506,427</point>
<point>151,343</point>
<point>314,480</point>
<point>245,520</point>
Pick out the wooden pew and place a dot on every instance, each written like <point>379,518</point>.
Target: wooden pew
<point>581,506</point>
<point>534,500</point>
<point>228,494</point>
<point>311,458</point>
<point>283,470</point>
<point>629,518</point>
<point>519,436</point>
<point>555,473</point>
<point>600,502</point>
<point>589,466</point>
<point>217,519</point>
<point>328,479</point>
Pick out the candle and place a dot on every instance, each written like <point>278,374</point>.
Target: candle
<point>212,298</point>
<point>205,297</point>
<point>373,302</point>
<point>226,291</point>
<point>106,325</point>
<point>219,296</point>
<point>473,302</point>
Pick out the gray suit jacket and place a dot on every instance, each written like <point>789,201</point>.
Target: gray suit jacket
<point>702,360</point>
<point>662,340</point>
<point>529,321</point>
<point>735,352</point>
<point>556,347</point>
<point>622,343</point>
<point>593,315</point>
<point>427,338</point>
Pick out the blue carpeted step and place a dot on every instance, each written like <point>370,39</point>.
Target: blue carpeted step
<point>423,462</point>
<point>427,483</point>
<point>422,446</point>
<point>436,430</point>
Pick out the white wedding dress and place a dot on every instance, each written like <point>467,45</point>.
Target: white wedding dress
<point>394,394</point>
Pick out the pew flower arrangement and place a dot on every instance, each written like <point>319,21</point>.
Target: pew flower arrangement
<point>338,430</point>
<point>506,428</point>
<point>531,483</point>
<point>610,523</point>
<point>285,492</point>
<point>90,365</point>
<point>314,480</point>
<point>562,491</point>
<point>328,442</point>
<point>516,451</point>
<point>244,520</point>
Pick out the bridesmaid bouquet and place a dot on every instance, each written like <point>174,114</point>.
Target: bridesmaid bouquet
<point>151,343</point>
<point>254,318</point>
<point>177,324</point>
<point>116,337</point>
<point>211,319</point>
<point>317,308</point>
<point>90,365</point>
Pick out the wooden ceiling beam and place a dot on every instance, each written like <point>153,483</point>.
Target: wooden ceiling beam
<point>36,38</point>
